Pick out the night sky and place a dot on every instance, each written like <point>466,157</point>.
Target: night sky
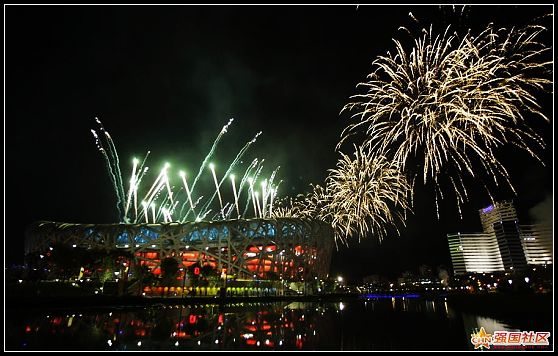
<point>167,78</point>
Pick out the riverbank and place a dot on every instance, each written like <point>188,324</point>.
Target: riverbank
<point>474,303</point>
<point>31,302</point>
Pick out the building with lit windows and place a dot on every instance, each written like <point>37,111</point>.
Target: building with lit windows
<point>503,245</point>
<point>498,212</point>
<point>537,243</point>
<point>474,252</point>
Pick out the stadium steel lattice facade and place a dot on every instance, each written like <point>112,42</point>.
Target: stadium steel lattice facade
<point>285,248</point>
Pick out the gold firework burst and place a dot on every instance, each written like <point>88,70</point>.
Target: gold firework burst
<point>362,196</point>
<point>451,101</point>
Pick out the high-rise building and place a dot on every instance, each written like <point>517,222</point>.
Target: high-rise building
<point>500,211</point>
<point>474,252</point>
<point>503,245</point>
<point>537,243</point>
<point>509,243</point>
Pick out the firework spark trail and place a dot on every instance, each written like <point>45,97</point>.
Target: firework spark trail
<point>247,173</point>
<point>197,218</point>
<point>165,213</point>
<point>229,211</point>
<point>360,191</point>
<point>275,193</point>
<point>114,168</point>
<point>182,216</point>
<point>201,217</point>
<point>253,196</point>
<point>452,100</point>
<point>259,213</point>
<point>258,172</point>
<point>282,210</point>
<point>165,205</point>
<point>108,165</point>
<point>166,209</point>
<point>138,181</point>
<point>144,205</point>
<point>205,161</point>
<point>231,167</point>
<point>117,174</point>
<point>162,199</point>
<point>197,202</point>
<point>141,173</point>
<point>224,213</point>
<point>212,168</point>
<point>188,194</point>
<point>153,211</point>
<point>173,207</point>
<point>154,195</point>
<point>273,174</point>
<point>264,197</point>
<point>169,190</point>
<point>211,152</point>
<point>250,180</point>
<point>272,196</point>
<point>131,190</point>
<point>312,205</point>
<point>235,196</point>
<point>156,186</point>
<point>272,190</point>
<point>363,195</point>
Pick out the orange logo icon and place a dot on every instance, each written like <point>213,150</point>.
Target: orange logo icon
<point>481,339</point>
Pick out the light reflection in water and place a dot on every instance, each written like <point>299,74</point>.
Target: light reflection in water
<point>370,324</point>
<point>473,323</point>
<point>210,327</point>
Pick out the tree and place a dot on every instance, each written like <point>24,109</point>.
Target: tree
<point>65,261</point>
<point>144,276</point>
<point>169,270</point>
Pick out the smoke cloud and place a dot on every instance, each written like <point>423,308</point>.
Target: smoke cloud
<point>542,212</point>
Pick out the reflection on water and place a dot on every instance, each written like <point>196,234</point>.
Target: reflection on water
<point>489,324</point>
<point>473,323</point>
<point>374,323</point>
<point>199,327</point>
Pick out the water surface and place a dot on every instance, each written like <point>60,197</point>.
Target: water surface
<point>375,323</point>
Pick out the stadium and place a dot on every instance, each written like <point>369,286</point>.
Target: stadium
<point>287,249</point>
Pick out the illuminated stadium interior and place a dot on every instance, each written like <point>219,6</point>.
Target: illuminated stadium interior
<point>263,249</point>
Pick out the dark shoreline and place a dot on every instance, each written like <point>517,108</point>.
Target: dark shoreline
<point>134,301</point>
<point>465,302</point>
